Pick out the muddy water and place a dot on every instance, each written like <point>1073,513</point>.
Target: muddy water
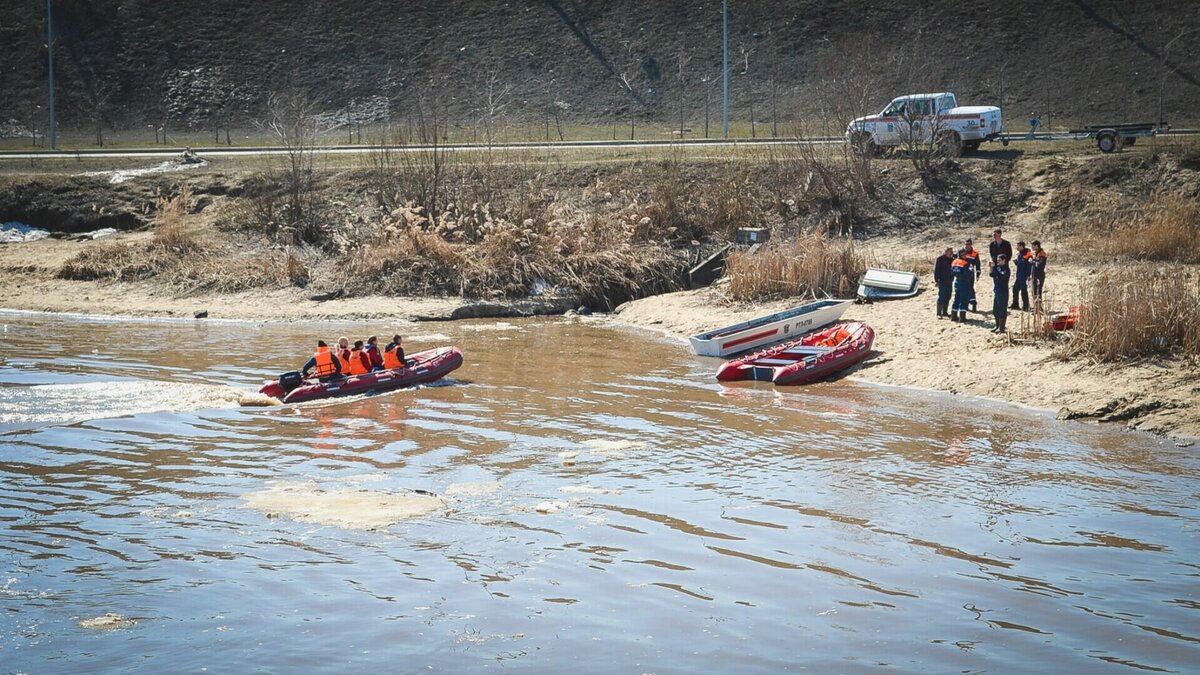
<point>598,503</point>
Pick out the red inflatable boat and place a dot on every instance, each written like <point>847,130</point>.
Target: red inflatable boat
<point>812,357</point>
<point>422,367</point>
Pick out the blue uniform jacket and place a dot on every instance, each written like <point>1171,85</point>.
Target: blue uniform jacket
<point>1000,274</point>
<point>1024,266</point>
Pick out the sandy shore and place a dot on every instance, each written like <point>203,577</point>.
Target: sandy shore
<point>913,348</point>
<point>27,273</point>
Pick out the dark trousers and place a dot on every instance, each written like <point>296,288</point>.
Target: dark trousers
<point>943,301</point>
<point>1038,283</point>
<point>1020,290</point>
<point>1000,305</point>
<point>962,296</point>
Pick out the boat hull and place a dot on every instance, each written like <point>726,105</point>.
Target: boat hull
<point>814,357</point>
<point>769,329</point>
<point>881,284</point>
<point>423,367</point>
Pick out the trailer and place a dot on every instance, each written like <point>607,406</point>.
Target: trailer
<point>1108,137</point>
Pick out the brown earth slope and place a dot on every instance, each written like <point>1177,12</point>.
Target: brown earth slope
<point>211,64</point>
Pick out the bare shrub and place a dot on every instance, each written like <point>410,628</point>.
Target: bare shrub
<point>1131,313</point>
<point>812,265</point>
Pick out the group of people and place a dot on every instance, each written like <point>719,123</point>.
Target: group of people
<point>359,359</point>
<point>957,273</point>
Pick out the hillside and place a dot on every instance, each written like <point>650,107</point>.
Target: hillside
<point>207,65</point>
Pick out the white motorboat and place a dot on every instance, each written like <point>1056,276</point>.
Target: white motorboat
<point>765,330</point>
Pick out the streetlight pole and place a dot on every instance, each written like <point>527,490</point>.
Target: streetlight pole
<point>725,65</point>
<point>50,75</point>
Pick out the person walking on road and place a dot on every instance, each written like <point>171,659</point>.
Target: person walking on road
<point>944,278</point>
<point>1000,274</point>
<point>964,286</point>
<point>1024,263</point>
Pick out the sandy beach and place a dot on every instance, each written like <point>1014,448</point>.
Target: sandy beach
<point>915,349</point>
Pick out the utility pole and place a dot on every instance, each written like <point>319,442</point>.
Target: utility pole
<point>725,65</point>
<point>50,75</point>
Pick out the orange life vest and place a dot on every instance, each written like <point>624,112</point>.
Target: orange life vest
<point>391,360</point>
<point>324,359</point>
<point>972,253</point>
<point>359,363</point>
<point>343,358</point>
<point>958,262</point>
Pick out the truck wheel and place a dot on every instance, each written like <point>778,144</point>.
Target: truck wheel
<point>1108,141</point>
<point>864,145</point>
<point>949,144</point>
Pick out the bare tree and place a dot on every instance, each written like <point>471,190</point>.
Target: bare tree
<point>291,117</point>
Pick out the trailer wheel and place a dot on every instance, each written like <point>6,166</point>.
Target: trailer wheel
<point>949,144</point>
<point>1129,140</point>
<point>1108,141</point>
<point>971,146</point>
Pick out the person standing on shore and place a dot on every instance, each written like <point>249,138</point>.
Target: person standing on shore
<point>1024,263</point>
<point>944,278</point>
<point>964,286</point>
<point>973,261</point>
<point>1038,271</point>
<point>999,246</point>
<point>1000,274</point>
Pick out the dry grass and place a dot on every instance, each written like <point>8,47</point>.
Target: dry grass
<point>602,264</point>
<point>186,256</point>
<point>1132,313</point>
<point>1163,227</point>
<point>815,264</point>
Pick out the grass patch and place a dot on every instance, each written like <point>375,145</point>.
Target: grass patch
<point>813,264</point>
<point>1135,313</point>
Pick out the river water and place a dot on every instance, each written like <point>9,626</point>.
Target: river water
<point>602,505</point>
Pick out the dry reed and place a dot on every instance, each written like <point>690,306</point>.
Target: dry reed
<point>1132,313</point>
<point>814,264</point>
<point>1166,228</point>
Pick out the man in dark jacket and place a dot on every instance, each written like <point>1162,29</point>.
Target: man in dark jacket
<point>1024,264</point>
<point>999,247</point>
<point>944,278</point>
<point>1000,273</point>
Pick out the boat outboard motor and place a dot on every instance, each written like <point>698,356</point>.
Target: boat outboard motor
<point>290,381</point>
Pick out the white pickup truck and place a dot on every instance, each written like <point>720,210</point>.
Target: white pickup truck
<point>932,119</point>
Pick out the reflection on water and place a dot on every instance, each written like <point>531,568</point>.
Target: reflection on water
<point>600,501</point>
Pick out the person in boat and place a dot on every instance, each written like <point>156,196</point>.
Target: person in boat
<point>323,364</point>
<point>393,354</point>
<point>360,363</point>
<point>945,280</point>
<point>1023,261</point>
<point>973,261</point>
<point>343,353</point>
<point>373,354</point>
<point>1000,273</point>
<point>964,285</point>
<point>1038,271</point>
